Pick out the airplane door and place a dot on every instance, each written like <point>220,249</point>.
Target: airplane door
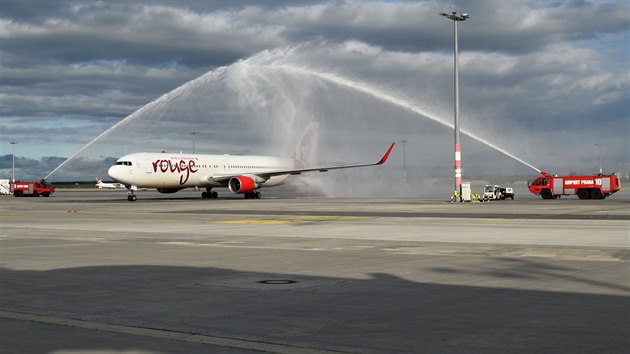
<point>149,167</point>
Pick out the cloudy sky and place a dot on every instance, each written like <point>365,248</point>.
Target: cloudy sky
<point>542,80</point>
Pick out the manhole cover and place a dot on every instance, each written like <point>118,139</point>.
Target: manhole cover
<point>277,281</point>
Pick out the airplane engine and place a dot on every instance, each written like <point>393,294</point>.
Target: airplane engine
<point>168,190</point>
<point>242,184</point>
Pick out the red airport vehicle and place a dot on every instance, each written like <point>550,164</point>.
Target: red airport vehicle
<point>31,189</point>
<point>586,187</point>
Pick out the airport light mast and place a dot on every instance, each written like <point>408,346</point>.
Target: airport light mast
<point>193,141</point>
<point>13,163</point>
<point>458,152</point>
<point>404,141</point>
<point>599,153</point>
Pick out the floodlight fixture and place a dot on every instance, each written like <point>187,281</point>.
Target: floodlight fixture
<point>455,16</point>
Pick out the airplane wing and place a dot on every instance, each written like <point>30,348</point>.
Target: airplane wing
<point>265,175</point>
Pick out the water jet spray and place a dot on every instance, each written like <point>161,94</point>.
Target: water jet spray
<point>379,94</point>
<point>266,103</point>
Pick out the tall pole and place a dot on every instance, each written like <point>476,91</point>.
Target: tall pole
<point>193,141</point>
<point>599,154</point>
<point>13,163</point>
<point>458,150</point>
<point>404,141</point>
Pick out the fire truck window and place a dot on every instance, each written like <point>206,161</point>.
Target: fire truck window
<point>537,182</point>
<point>544,182</point>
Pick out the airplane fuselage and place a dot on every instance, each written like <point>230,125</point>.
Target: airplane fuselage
<point>178,171</point>
<point>169,173</point>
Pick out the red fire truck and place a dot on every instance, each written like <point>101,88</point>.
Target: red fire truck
<point>31,189</point>
<point>586,187</point>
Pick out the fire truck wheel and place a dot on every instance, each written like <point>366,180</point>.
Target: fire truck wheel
<point>583,194</point>
<point>546,194</point>
<point>596,194</point>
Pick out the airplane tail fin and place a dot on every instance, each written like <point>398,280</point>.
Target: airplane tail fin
<point>304,153</point>
<point>98,180</point>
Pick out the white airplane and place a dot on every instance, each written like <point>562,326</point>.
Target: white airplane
<point>101,185</point>
<point>169,173</point>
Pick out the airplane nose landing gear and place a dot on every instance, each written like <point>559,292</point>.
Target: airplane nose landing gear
<point>130,196</point>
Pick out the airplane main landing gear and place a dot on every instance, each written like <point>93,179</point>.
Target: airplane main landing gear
<point>209,194</point>
<point>252,195</point>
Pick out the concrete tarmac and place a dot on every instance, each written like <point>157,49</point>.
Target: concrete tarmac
<point>86,271</point>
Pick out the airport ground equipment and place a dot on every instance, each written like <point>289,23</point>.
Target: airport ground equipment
<point>31,189</point>
<point>4,187</point>
<point>495,192</point>
<point>507,192</point>
<point>585,187</point>
<point>466,192</point>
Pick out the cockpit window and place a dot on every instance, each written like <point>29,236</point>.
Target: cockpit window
<point>125,163</point>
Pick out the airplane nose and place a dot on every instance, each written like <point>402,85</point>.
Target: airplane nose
<point>114,172</point>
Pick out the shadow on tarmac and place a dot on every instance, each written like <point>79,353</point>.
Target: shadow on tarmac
<point>529,269</point>
<point>382,314</point>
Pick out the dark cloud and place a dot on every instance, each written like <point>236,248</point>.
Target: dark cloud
<point>200,34</point>
<point>27,169</point>
<point>138,36</point>
<point>33,10</point>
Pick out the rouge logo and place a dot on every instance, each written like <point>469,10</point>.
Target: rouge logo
<point>185,168</point>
